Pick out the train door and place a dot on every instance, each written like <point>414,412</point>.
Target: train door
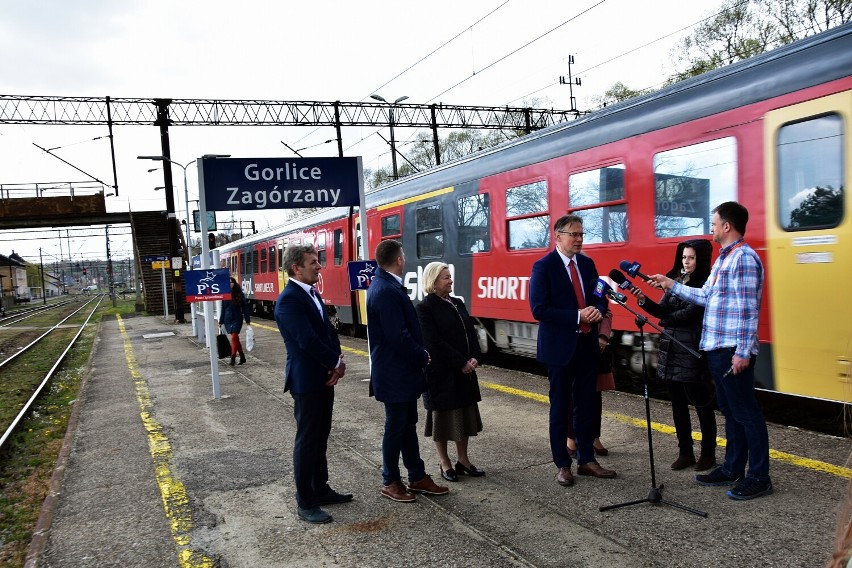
<point>809,246</point>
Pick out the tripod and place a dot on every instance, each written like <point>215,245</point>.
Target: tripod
<point>655,495</point>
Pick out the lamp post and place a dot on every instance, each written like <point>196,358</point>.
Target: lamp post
<point>390,124</point>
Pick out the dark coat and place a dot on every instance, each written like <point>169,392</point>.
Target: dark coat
<point>554,305</point>
<point>232,315</point>
<point>313,348</point>
<point>682,320</point>
<point>397,352</point>
<point>452,342</point>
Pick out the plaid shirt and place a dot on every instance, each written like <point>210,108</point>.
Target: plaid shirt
<point>731,296</point>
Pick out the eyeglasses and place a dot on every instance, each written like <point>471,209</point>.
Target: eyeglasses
<point>572,234</point>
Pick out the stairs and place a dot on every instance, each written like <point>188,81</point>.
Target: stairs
<point>151,238</point>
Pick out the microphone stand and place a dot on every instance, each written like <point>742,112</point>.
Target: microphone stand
<point>655,495</point>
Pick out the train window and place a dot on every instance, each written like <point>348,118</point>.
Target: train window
<point>321,255</point>
<point>338,247</point>
<point>430,233</point>
<point>264,266</point>
<point>527,217</point>
<point>810,174</point>
<point>600,194</point>
<point>281,246</point>
<point>473,224</point>
<point>256,263</point>
<point>391,227</point>
<point>690,182</point>
<point>271,259</point>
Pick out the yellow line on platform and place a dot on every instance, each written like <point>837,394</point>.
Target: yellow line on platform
<point>791,459</point>
<point>172,490</point>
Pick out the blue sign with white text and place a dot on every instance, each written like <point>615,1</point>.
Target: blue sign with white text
<point>259,184</point>
<point>207,285</point>
<point>361,273</point>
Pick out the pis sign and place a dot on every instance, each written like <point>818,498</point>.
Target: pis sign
<point>361,273</point>
<point>208,285</point>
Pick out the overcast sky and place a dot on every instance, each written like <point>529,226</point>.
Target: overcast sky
<point>297,51</point>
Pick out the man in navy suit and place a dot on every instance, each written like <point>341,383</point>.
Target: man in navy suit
<point>314,365</point>
<point>398,357</point>
<point>562,300</point>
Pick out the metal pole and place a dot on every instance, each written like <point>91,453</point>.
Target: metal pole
<point>393,144</point>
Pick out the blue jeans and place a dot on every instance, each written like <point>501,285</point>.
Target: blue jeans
<point>400,437</point>
<point>745,427</point>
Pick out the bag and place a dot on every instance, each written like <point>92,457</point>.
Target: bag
<point>249,338</point>
<point>223,345</point>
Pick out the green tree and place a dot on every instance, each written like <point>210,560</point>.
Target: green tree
<point>616,93</point>
<point>744,28</point>
<point>822,208</point>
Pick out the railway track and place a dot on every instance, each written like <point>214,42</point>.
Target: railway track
<point>35,361</point>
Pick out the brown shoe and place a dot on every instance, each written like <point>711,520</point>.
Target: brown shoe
<point>396,491</point>
<point>595,469</point>
<point>705,462</point>
<point>426,485</point>
<point>683,462</point>
<point>564,477</point>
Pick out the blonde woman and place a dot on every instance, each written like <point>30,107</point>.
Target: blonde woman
<point>453,392</point>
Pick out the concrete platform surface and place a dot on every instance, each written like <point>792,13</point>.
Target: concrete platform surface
<point>161,474</point>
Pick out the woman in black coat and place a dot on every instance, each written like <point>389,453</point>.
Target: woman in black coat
<point>232,314</point>
<point>685,374</point>
<point>452,390</point>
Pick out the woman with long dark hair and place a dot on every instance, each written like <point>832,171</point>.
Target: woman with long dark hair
<point>234,311</point>
<point>686,375</point>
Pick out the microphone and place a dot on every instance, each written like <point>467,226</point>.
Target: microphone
<point>603,289</point>
<point>632,268</point>
<point>619,278</point>
<point>728,372</point>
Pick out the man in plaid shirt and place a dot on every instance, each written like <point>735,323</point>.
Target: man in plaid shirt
<point>731,298</point>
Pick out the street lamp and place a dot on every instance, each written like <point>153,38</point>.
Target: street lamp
<point>390,123</point>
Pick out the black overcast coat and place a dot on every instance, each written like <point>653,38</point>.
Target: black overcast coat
<point>682,319</point>
<point>451,341</point>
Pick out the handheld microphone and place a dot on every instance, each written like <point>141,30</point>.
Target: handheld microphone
<point>728,372</point>
<point>632,268</point>
<point>603,289</point>
<point>619,278</point>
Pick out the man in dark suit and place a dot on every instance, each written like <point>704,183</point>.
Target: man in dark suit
<point>398,357</point>
<point>314,365</point>
<point>562,300</point>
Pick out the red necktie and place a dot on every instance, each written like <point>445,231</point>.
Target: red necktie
<point>578,291</point>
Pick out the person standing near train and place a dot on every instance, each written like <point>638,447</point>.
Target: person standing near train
<point>232,314</point>
<point>731,297</point>
<point>398,357</point>
<point>562,300</point>
<point>685,374</point>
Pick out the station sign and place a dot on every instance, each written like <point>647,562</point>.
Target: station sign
<point>208,285</point>
<point>260,184</point>
<point>160,264</point>
<point>361,273</point>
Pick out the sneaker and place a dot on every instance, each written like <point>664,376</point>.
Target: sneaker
<point>426,485</point>
<point>750,489</point>
<point>716,477</point>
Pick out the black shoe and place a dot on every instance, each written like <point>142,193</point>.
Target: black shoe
<point>449,475</point>
<point>683,462</point>
<point>233,361</point>
<point>471,471</point>
<point>313,515</point>
<point>334,498</point>
<point>750,489</point>
<point>716,478</point>
<point>242,359</point>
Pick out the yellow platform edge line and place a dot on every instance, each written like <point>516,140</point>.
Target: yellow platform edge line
<point>172,490</point>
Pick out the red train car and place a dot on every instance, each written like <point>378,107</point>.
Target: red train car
<point>644,174</point>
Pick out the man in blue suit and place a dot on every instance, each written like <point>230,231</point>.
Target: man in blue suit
<point>562,300</point>
<point>314,365</point>
<point>398,357</point>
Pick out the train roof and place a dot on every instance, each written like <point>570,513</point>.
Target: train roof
<point>314,219</point>
<point>811,61</point>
